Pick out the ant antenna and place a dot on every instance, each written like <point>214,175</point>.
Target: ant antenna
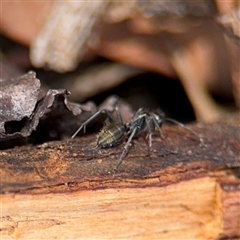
<point>183,126</point>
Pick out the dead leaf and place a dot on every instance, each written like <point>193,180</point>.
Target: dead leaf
<point>21,110</point>
<point>18,99</point>
<point>52,117</point>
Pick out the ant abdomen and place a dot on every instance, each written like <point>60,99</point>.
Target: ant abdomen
<point>111,135</point>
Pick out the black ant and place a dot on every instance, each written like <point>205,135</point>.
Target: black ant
<point>113,132</point>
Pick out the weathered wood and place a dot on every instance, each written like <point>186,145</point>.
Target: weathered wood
<point>179,190</point>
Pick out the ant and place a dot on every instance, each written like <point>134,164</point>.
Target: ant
<point>112,133</point>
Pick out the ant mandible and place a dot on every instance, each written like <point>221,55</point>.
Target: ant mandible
<point>113,133</point>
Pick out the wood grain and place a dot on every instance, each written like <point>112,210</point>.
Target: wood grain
<point>178,190</point>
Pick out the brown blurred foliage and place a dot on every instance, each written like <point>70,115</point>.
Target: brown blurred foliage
<point>181,39</point>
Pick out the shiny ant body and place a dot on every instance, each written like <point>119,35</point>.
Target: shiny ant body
<point>113,133</point>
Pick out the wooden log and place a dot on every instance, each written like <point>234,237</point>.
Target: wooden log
<point>178,190</point>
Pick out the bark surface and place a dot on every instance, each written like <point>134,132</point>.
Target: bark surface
<point>178,189</point>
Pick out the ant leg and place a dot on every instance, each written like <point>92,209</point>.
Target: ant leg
<point>125,150</point>
<point>91,118</point>
<point>119,117</point>
<point>136,115</point>
<point>157,126</point>
<point>149,132</point>
<point>183,126</point>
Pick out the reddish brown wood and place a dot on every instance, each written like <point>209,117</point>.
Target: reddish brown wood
<point>179,189</point>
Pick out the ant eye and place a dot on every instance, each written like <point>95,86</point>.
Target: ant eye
<point>158,118</point>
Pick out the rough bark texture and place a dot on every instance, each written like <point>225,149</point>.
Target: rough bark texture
<point>178,190</point>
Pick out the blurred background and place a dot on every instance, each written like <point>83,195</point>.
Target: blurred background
<point>181,56</point>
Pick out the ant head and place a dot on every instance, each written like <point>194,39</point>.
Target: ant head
<point>159,116</point>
